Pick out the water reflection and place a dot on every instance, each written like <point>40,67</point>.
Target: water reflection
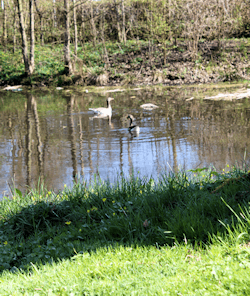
<point>54,139</point>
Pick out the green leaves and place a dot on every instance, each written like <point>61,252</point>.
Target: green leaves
<point>18,192</point>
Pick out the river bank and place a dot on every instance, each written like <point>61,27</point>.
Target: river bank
<point>133,63</point>
<point>108,233</point>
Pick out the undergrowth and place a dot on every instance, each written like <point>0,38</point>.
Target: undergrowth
<point>187,234</point>
<point>132,62</point>
<point>188,207</point>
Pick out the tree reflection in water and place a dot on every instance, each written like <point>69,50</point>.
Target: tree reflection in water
<point>54,139</point>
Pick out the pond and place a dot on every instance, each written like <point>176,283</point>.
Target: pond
<point>51,137</point>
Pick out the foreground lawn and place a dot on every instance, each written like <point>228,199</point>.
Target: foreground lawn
<point>179,270</point>
<point>186,235</point>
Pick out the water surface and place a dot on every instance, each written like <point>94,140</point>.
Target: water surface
<point>52,137</point>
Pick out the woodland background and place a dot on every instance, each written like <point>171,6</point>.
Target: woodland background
<point>157,28</point>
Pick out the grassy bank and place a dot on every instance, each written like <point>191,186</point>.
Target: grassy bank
<point>179,270</point>
<point>187,233</point>
<point>133,63</point>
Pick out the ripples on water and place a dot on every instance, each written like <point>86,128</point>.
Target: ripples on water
<point>53,137</point>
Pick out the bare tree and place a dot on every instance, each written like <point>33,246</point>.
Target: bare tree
<point>14,28</point>
<point>4,37</point>
<point>75,27</point>
<point>32,38</point>
<point>211,20</point>
<point>118,22</point>
<point>105,52</point>
<point>54,14</point>
<point>82,31</point>
<point>29,63</point>
<point>124,37</point>
<point>41,23</point>
<point>92,22</point>
<point>67,60</point>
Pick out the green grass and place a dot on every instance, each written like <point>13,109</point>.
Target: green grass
<point>48,60</point>
<point>179,270</point>
<point>186,234</point>
<point>49,63</point>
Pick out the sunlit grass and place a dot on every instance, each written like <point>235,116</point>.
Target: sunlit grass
<point>179,270</point>
<point>185,234</point>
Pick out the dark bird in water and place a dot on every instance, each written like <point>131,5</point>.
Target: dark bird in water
<point>133,128</point>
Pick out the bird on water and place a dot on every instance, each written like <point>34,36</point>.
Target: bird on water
<point>133,128</point>
<point>102,110</point>
<point>149,106</point>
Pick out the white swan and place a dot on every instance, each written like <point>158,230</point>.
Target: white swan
<point>133,128</point>
<point>149,106</point>
<point>103,111</point>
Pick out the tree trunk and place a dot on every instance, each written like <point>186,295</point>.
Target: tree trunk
<point>54,14</point>
<point>54,20</point>
<point>41,24</point>
<point>14,29</point>
<point>67,60</point>
<point>42,32</point>
<point>105,52</point>
<point>119,31</point>
<point>165,53</point>
<point>32,39</point>
<point>4,38</point>
<point>24,38</point>
<point>92,21</point>
<point>75,27</point>
<point>170,20</point>
<point>82,27</point>
<point>124,37</point>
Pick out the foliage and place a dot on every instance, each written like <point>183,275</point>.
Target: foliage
<point>48,64</point>
<point>153,22</point>
<point>10,69</point>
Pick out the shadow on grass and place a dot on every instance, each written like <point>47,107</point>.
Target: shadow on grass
<point>46,227</point>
